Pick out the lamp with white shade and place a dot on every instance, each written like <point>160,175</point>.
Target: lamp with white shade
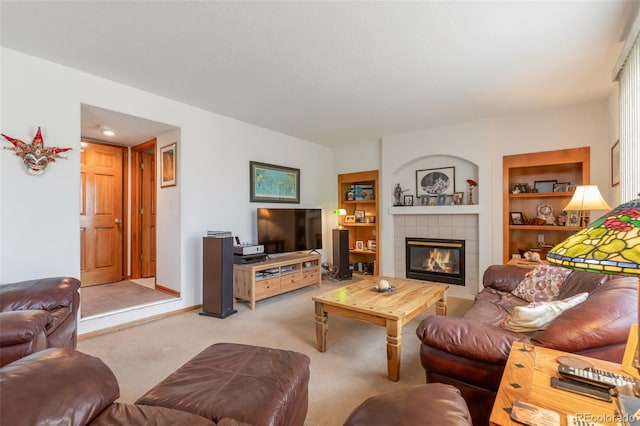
<point>586,198</point>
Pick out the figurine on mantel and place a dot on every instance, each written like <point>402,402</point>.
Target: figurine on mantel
<point>472,183</point>
<point>397,193</point>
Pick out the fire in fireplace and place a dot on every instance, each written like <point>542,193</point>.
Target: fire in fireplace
<point>438,260</point>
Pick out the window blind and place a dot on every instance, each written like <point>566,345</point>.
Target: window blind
<point>630,123</point>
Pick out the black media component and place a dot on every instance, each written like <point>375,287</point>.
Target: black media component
<point>341,253</point>
<point>217,277</point>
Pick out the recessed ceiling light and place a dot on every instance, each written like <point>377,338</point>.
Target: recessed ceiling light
<point>107,131</point>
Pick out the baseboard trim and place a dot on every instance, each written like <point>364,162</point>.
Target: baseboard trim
<point>136,322</point>
<point>167,290</point>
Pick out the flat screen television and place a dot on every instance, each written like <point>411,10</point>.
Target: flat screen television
<point>288,230</point>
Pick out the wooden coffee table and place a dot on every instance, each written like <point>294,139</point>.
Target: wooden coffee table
<point>391,310</point>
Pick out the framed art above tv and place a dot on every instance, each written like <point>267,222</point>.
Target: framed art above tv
<point>274,184</point>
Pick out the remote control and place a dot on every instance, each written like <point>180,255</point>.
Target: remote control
<point>593,376</point>
<point>581,388</point>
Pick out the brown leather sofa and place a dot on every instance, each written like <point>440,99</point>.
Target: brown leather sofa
<point>38,314</point>
<point>226,384</point>
<point>470,352</point>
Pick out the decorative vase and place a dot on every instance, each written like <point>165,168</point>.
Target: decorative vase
<point>470,195</point>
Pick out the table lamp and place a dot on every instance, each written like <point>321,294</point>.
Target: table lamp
<point>586,197</point>
<point>610,245</point>
<point>340,212</point>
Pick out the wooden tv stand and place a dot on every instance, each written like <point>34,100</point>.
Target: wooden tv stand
<point>257,281</point>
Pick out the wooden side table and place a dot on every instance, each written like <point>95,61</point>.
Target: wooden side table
<point>527,378</point>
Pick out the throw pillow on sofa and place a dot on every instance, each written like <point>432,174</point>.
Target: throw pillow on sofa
<point>536,316</point>
<point>542,284</point>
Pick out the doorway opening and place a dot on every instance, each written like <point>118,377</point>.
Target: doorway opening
<point>118,212</point>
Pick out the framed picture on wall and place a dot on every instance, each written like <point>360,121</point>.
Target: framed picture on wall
<point>168,162</point>
<point>275,184</point>
<point>435,181</point>
<point>615,164</point>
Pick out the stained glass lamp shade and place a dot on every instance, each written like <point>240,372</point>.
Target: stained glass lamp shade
<point>610,245</point>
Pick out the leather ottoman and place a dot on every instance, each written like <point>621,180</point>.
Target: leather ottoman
<point>431,404</point>
<point>254,385</point>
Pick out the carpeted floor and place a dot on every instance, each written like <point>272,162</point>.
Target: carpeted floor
<point>353,368</point>
<point>99,299</point>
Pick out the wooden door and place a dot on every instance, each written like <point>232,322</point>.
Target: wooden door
<point>148,213</point>
<point>101,214</point>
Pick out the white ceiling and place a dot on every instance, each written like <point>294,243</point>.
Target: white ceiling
<point>335,72</point>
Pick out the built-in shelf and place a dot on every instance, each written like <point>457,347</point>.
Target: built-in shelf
<point>465,209</point>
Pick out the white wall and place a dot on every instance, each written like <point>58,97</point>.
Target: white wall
<point>39,214</point>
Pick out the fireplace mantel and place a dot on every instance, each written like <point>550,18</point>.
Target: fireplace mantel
<point>464,209</point>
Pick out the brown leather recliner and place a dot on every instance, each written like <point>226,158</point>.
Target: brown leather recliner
<point>470,352</point>
<point>38,314</point>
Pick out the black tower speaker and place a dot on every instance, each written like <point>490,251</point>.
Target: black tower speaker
<point>341,253</point>
<point>217,277</point>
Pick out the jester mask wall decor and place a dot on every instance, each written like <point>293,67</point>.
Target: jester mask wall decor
<point>35,156</point>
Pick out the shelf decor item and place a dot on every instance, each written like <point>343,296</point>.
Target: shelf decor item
<point>585,198</point>
<point>408,200</point>
<point>610,245</point>
<point>544,185</point>
<point>545,211</point>
<point>275,184</point>
<point>472,184</point>
<point>458,198</point>
<point>435,181</point>
<point>359,214</point>
<point>560,187</point>
<point>516,218</point>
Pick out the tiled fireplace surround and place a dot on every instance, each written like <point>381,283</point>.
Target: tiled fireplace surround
<point>430,225</point>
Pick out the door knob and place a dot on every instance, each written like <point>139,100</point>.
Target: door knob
<point>118,221</point>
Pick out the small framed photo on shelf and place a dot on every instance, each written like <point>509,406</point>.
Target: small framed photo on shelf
<point>573,218</point>
<point>359,245</point>
<point>516,218</point>
<point>350,218</point>
<point>571,188</point>
<point>424,200</point>
<point>441,200</point>
<point>359,214</point>
<point>458,198</point>
<point>408,200</point>
<point>369,219</point>
<point>349,196</point>
<point>560,187</point>
<point>544,185</point>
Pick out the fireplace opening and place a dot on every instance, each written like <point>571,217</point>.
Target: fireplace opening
<point>439,260</point>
